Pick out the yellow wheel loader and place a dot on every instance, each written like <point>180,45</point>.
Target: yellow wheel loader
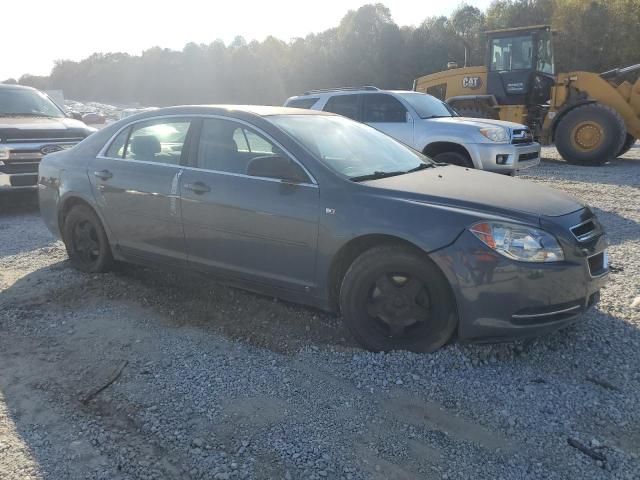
<point>590,117</point>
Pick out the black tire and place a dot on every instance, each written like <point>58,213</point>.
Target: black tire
<point>383,322</point>
<point>590,135</point>
<point>454,158</point>
<point>86,241</point>
<point>628,143</point>
<point>476,110</point>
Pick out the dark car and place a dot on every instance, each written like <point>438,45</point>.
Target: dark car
<point>319,209</point>
<point>31,126</point>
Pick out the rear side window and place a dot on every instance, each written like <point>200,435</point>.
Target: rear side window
<point>302,102</point>
<point>116,149</point>
<point>156,141</point>
<point>382,108</point>
<point>346,105</point>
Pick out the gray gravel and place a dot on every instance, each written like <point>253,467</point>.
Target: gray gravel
<point>223,384</point>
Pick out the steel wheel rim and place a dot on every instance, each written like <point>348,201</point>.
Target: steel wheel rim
<point>587,136</point>
<point>85,241</point>
<point>398,303</point>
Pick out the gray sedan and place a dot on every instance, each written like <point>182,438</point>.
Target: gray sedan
<point>315,208</point>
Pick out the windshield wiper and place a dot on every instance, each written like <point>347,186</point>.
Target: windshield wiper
<point>436,116</point>
<point>376,175</point>
<point>422,166</point>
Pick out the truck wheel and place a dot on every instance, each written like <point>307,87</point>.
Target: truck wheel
<point>86,241</point>
<point>628,143</point>
<point>394,298</point>
<point>590,135</point>
<point>454,158</point>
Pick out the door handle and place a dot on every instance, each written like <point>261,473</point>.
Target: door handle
<point>198,187</point>
<point>103,174</point>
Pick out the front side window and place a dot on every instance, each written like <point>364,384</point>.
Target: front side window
<point>345,105</point>
<point>349,148</point>
<point>427,106</point>
<point>512,53</point>
<point>157,141</point>
<point>227,146</point>
<point>382,108</point>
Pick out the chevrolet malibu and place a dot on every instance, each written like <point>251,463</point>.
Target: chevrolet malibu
<point>318,209</point>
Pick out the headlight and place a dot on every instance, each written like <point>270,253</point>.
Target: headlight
<point>496,134</point>
<point>519,242</point>
<point>4,153</point>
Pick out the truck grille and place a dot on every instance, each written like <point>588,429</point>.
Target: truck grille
<point>24,180</point>
<point>521,136</point>
<point>10,167</point>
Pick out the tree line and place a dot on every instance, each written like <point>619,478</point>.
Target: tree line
<point>366,48</point>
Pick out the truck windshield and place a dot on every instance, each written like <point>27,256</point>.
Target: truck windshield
<point>427,106</point>
<point>512,53</point>
<point>350,148</point>
<point>28,103</point>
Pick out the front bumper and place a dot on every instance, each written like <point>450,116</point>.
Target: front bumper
<point>499,299</point>
<point>20,170</point>
<point>506,157</point>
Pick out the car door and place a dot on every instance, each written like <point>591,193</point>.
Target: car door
<point>136,184</point>
<point>387,114</point>
<point>258,228</point>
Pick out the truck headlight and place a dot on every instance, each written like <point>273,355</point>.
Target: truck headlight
<point>4,153</point>
<point>519,242</point>
<point>496,134</point>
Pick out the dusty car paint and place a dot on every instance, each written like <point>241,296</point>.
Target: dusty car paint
<point>310,227</point>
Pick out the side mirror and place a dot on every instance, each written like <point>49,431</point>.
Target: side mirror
<point>274,166</point>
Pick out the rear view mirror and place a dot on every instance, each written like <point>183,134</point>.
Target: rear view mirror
<point>274,166</point>
<point>75,115</point>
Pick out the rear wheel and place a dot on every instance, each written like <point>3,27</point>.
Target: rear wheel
<point>454,158</point>
<point>393,298</point>
<point>628,143</point>
<point>86,241</point>
<point>590,135</point>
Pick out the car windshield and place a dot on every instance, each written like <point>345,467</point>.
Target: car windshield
<point>427,106</point>
<point>352,149</point>
<point>30,103</point>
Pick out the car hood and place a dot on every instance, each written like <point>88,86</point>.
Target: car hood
<point>476,122</point>
<point>477,190</point>
<point>40,123</point>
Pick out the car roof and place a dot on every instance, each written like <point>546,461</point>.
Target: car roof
<point>227,110</point>
<point>340,91</point>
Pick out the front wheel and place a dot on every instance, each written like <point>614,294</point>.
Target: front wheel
<point>590,135</point>
<point>394,298</point>
<point>86,241</point>
<point>454,158</point>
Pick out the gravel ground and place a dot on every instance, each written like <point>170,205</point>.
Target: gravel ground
<point>217,383</point>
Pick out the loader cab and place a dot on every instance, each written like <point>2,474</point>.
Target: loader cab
<point>520,65</point>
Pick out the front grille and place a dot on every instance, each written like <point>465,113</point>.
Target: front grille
<point>597,265</point>
<point>527,156</point>
<point>19,167</point>
<point>521,136</point>
<point>584,231</point>
<point>24,180</point>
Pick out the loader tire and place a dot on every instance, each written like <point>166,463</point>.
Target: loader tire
<point>590,135</point>
<point>628,143</point>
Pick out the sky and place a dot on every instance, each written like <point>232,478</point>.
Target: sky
<point>38,32</point>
